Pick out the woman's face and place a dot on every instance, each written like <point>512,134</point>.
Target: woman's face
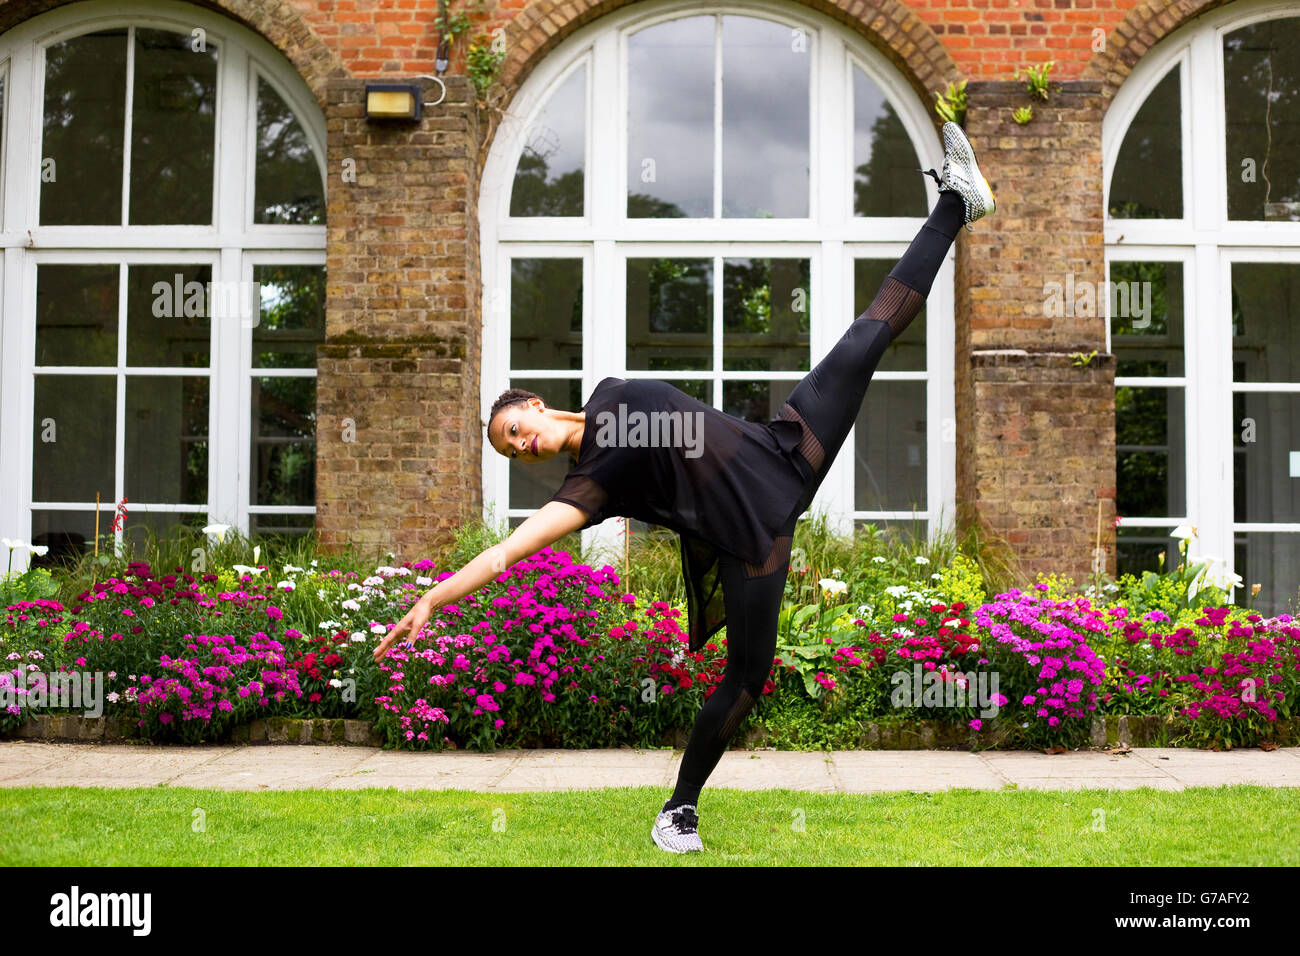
<point>525,432</point>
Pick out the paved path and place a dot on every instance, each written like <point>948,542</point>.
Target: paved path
<point>33,763</point>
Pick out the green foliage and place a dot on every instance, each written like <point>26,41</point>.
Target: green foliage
<point>1022,114</point>
<point>483,63</point>
<point>1036,84</point>
<point>951,104</point>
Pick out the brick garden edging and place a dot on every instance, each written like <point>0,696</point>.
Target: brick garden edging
<point>1139,731</point>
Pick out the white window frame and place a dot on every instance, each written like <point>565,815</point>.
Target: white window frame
<point>231,243</point>
<point>831,237</point>
<point>1207,242</point>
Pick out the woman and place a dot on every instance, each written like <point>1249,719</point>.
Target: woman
<point>732,489</point>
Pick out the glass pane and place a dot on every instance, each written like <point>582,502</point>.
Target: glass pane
<point>69,534</point>
<point>907,353</point>
<point>1148,179</point>
<point>167,439</point>
<point>72,440</point>
<point>911,533</point>
<point>765,119</point>
<point>889,448</point>
<point>76,315</point>
<point>291,322</point>
<point>765,309</point>
<point>1271,560</point>
<point>280,525</point>
<point>288,187</point>
<point>700,389</point>
<point>549,177</point>
<point>283,441</point>
<point>546,313</point>
<point>162,524</point>
<point>670,119</point>
<point>1261,93</point>
<point>84,129</point>
<point>1266,456</point>
<point>755,401</point>
<point>167,320</point>
<point>1150,452</point>
<point>885,177</point>
<point>1265,305</point>
<point>1146,317</point>
<point>1140,550</point>
<point>533,483</point>
<point>670,314</point>
<point>173,129</point>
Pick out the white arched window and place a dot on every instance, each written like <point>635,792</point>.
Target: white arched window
<point>710,196</point>
<point>163,275</point>
<point>1203,252</point>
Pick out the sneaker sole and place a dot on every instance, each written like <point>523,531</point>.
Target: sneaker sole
<point>954,140</point>
<point>654,835</point>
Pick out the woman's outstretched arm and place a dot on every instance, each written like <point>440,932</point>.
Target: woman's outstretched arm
<point>544,526</point>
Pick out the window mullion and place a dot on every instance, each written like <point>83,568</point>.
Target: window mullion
<point>119,444</point>
<point>126,135</point>
<point>717,117</point>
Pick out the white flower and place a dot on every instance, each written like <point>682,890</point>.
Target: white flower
<point>922,559</point>
<point>313,562</point>
<point>378,629</point>
<point>320,592</point>
<point>897,590</point>
<point>112,698</point>
<point>351,605</point>
<point>335,682</point>
<point>286,585</point>
<point>831,586</point>
<point>357,636</point>
<point>290,567</point>
<point>329,624</point>
<point>257,552</point>
<point>218,529</point>
<point>936,576</point>
<point>1183,531</point>
<point>374,581</point>
<point>245,569</point>
<point>879,559</point>
<point>14,544</point>
<point>423,581</point>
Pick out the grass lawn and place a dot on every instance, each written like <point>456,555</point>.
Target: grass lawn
<point>1207,826</point>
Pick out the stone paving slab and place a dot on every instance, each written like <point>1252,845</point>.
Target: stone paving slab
<point>269,767</point>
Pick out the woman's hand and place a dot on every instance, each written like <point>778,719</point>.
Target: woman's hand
<point>413,623</point>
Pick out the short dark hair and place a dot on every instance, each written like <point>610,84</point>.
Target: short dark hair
<point>511,396</point>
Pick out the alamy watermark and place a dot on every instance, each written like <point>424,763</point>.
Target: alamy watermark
<point>944,688</point>
<point>638,429</point>
<point>1127,300</point>
<point>62,690</point>
<point>215,300</point>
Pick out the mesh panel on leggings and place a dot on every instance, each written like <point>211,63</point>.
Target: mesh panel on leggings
<point>897,304</point>
<point>808,446</point>
<point>743,705</point>
<point>776,559</point>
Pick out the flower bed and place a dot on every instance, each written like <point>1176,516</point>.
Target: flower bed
<point>555,653</point>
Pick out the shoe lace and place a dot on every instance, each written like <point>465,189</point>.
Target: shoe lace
<point>685,820</point>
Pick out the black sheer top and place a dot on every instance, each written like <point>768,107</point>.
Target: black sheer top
<point>652,452</point>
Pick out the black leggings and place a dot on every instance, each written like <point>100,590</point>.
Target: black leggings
<point>828,400</point>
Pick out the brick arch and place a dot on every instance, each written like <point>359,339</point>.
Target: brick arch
<point>907,40</point>
<point>276,21</point>
<point>1145,26</point>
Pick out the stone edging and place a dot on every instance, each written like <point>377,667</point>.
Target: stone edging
<point>1110,731</point>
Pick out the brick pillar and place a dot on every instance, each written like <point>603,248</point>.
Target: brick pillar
<point>400,360</point>
<point>1036,431</point>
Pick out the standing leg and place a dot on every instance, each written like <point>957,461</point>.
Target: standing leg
<point>753,602</point>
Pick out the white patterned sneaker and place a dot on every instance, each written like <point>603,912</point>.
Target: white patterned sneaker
<point>961,174</point>
<point>676,830</point>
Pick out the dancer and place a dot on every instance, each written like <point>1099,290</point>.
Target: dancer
<point>732,489</point>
